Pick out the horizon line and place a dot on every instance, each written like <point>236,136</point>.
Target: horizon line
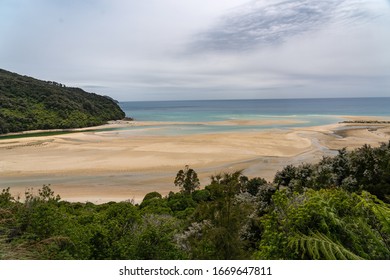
<point>252,99</point>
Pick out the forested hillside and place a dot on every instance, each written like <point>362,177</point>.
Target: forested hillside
<point>28,104</point>
<point>336,209</point>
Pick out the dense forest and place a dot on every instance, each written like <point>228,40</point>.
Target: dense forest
<point>336,209</point>
<point>28,104</point>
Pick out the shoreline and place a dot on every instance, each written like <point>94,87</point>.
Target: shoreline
<point>111,165</point>
<point>118,124</point>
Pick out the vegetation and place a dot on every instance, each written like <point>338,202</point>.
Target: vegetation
<point>187,180</point>
<point>29,104</point>
<point>336,209</point>
<point>364,169</point>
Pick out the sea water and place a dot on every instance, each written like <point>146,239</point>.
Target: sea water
<point>197,114</point>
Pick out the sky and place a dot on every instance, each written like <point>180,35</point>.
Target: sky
<point>135,50</point>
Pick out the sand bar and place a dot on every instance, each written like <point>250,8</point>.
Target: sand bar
<point>113,165</point>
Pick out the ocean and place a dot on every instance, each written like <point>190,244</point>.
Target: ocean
<point>196,114</point>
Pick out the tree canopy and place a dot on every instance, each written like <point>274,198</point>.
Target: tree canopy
<point>29,104</point>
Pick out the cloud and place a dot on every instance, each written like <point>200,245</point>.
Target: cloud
<point>257,24</point>
<point>201,49</point>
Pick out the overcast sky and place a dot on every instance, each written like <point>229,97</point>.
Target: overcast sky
<point>201,49</point>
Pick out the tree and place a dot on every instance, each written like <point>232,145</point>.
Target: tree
<point>221,220</point>
<point>187,179</point>
<point>284,177</point>
<point>254,185</point>
<point>152,195</point>
<point>155,238</point>
<point>6,198</point>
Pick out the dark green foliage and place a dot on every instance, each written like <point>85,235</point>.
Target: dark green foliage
<point>254,185</point>
<point>264,198</point>
<point>220,222</point>
<point>156,206</point>
<point>28,104</point>
<point>152,195</point>
<point>325,224</point>
<point>47,228</point>
<point>187,180</point>
<point>366,168</point>
<point>201,195</point>
<point>284,177</point>
<point>182,205</point>
<point>6,198</point>
<point>154,203</point>
<point>154,239</point>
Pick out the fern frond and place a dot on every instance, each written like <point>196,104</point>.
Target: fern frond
<point>380,209</point>
<point>319,246</point>
<point>381,212</point>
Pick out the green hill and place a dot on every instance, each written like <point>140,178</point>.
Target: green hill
<point>28,104</point>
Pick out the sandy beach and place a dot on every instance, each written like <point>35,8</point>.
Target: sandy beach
<point>115,165</point>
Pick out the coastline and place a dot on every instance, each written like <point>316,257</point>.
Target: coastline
<point>111,165</point>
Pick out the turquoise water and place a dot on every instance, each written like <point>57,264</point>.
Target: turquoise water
<point>195,117</point>
<point>309,112</point>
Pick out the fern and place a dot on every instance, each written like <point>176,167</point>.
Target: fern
<point>379,208</point>
<point>381,216</point>
<point>319,246</point>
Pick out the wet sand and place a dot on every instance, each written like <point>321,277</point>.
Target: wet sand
<point>101,166</point>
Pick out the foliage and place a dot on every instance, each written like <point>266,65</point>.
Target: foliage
<point>319,246</point>
<point>152,195</point>
<point>325,224</point>
<point>187,179</point>
<point>363,169</point>
<point>29,104</point>
<point>254,185</point>
<point>155,238</point>
<point>219,223</point>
